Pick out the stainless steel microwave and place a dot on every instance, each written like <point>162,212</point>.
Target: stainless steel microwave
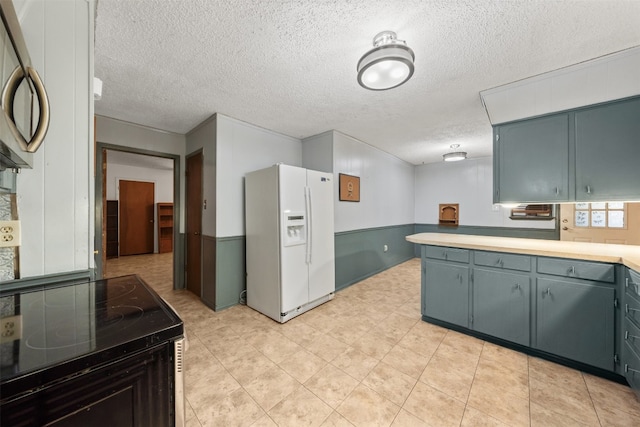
<point>24,106</point>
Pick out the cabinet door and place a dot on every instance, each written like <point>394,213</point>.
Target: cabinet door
<point>576,321</point>
<point>532,164</point>
<point>607,152</point>
<point>501,305</point>
<point>446,292</point>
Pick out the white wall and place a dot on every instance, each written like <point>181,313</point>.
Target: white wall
<point>124,134</point>
<point>203,137</point>
<point>386,186</point>
<point>468,183</point>
<point>317,152</point>
<point>55,198</point>
<point>241,148</point>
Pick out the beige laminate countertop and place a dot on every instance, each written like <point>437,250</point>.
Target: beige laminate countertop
<point>628,255</point>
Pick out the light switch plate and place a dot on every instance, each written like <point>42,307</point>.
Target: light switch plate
<point>9,233</point>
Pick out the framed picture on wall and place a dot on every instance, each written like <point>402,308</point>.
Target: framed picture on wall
<point>349,188</point>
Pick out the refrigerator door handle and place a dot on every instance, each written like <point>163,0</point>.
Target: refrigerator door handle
<point>307,196</point>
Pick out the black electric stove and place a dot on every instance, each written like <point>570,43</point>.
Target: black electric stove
<point>60,332</point>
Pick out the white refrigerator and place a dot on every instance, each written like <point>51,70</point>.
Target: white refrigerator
<point>289,240</point>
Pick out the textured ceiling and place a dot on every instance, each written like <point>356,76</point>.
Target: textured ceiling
<point>290,66</point>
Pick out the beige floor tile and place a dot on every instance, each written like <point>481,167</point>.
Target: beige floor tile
<point>247,366</point>
<point>193,422</point>
<point>271,387</point>
<point>406,419</point>
<point>424,338</point>
<point>406,361</point>
<point>319,321</point>
<point>514,382</point>
<point>374,344</point>
<point>508,358</point>
<point>499,404</point>
<point>326,347</point>
<point>463,343</point>
<point>264,421</point>
<point>434,407</point>
<point>336,420</point>
<point>552,373</point>
<point>332,385</point>
<point>355,363</point>
<point>348,332</point>
<point>236,409</point>
<point>612,397</point>
<point>474,418</point>
<point>300,408</point>
<point>364,407</point>
<point>302,365</point>
<point>299,332</point>
<point>573,403</point>
<point>448,376</point>
<point>390,383</point>
<point>545,417</point>
<point>274,345</point>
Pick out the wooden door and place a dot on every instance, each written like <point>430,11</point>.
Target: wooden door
<point>136,217</point>
<point>193,256</point>
<point>613,222</point>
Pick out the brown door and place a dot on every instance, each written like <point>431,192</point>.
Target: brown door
<point>136,217</point>
<point>613,222</point>
<point>193,256</point>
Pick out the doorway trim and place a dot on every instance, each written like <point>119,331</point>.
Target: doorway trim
<point>178,266</point>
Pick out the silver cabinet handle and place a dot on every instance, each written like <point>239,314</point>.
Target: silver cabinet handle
<point>628,369</point>
<point>8,96</point>
<point>588,189</point>
<point>517,286</point>
<point>627,335</point>
<point>628,309</point>
<point>557,191</point>
<point>548,291</point>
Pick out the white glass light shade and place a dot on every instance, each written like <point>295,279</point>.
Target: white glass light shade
<point>389,64</point>
<point>454,157</point>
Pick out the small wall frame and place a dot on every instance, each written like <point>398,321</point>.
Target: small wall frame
<point>349,188</point>
<point>448,214</point>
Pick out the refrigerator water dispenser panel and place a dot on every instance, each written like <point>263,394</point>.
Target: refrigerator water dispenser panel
<point>294,225</point>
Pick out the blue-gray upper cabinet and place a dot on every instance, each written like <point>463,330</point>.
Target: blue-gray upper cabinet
<point>445,293</point>
<point>607,151</point>
<point>501,304</point>
<point>576,320</point>
<point>531,160</point>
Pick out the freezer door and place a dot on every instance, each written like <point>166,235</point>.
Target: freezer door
<point>321,234</point>
<point>294,274</point>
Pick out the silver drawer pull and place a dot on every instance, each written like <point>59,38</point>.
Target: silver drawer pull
<point>628,369</point>
<point>627,335</point>
<point>628,309</point>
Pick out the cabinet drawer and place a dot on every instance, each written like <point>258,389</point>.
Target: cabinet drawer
<point>631,366</point>
<point>632,309</point>
<point>632,283</point>
<point>447,254</point>
<point>503,260</point>
<point>577,269</point>
<point>632,335</point>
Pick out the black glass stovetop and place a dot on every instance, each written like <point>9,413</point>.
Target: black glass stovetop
<point>68,327</point>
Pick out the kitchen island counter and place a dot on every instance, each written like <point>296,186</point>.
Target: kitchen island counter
<point>628,255</point>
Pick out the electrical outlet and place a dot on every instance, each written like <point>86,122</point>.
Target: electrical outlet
<point>10,328</point>
<point>9,233</point>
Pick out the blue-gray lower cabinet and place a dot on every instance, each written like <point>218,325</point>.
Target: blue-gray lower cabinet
<point>501,305</point>
<point>631,330</point>
<point>562,308</point>
<point>576,321</point>
<point>445,294</point>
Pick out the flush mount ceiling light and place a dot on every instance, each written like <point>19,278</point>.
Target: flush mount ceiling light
<point>389,64</point>
<point>455,155</point>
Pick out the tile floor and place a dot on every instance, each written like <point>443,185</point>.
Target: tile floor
<point>366,359</point>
